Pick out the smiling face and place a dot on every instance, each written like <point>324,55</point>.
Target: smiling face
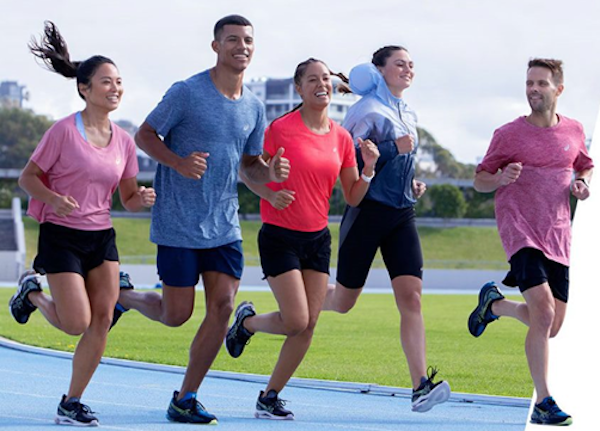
<point>234,47</point>
<point>398,71</point>
<point>315,87</point>
<point>105,88</point>
<point>541,89</point>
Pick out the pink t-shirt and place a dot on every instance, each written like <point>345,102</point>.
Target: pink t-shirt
<point>316,161</point>
<point>74,167</point>
<point>534,211</point>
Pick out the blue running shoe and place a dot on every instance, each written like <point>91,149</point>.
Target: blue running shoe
<point>482,315</point>
<point>190,411</point>
<point>429,394</point>
<point>548,413</point>
<point>74,413</point>
<point>270,406</point>
<point>20,306</point>
<point>124,284</point>
<point>237,336</point>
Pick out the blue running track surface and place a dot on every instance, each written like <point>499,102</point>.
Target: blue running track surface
<point>134,396</point>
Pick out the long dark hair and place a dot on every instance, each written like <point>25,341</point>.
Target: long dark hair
<point>52,50</point>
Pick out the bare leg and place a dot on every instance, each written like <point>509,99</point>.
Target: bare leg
<point>173,308</point>
<point>407,291</point>
<point>340,298</point>
<point>220,290</point>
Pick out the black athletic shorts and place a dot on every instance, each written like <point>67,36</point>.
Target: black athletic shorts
<point>282,250</point>
<point>63,249</point>
<point>529,267</point>
<point>373,225</point>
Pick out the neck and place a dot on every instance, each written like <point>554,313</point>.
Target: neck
<point>229,83</point>
<point>95,118</point>
<point>315,119</point>
<point>543,119</point>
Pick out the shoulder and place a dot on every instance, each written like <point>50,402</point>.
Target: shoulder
<point>571,123</point>
<point>340,132</point>
<point>516,125</point>
<point>121,134</point>
<point>61,127</point>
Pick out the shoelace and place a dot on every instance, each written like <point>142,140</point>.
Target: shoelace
<point>431,373</point>
<point>79,407</point>
<point>552,406</point>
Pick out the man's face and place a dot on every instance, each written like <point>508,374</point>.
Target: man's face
<point>234,47</point>
<point>541,90</point>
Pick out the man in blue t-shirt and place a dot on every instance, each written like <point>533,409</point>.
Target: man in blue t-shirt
<point>211,125</point>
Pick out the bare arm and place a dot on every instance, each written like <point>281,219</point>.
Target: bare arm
<point>30,181</point>
<point>255,169</point>
<point>486,182</point>
<point>278,199</point>
<point>135,198</point>
<point>193,166</point>
<point>581,185</point>
<point>353,186</point>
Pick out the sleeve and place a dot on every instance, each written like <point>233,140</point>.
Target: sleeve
<point>495,158</point>
<point>583,160</point>
<point>131,162</point>
<point>347,150</point>
<point>254,144</point>
<point>171,110</point>
<point>363,129</point>
<point>48,151</point>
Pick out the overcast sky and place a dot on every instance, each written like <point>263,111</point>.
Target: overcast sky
<point>470,55</point>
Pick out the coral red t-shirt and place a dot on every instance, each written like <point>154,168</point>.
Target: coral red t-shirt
<point>316,162</point>
<point>74,167</point>
<point>534,211</point>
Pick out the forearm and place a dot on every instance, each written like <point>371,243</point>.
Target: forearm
<point>357,192</point>
<point>254,170</point>
<point>585,175</point>
<point>486,182</point>
<point>34,187</point>
<point>260,190</point>
<point>148,141</point>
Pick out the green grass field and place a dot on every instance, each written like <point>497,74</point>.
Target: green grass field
<point>451,248</point>
<point>361,346</point>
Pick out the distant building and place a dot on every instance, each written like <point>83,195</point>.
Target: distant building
<point>12,94</point>
<point>279,97</point>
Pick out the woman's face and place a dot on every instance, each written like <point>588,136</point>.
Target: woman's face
<point>398,72</point>
<point>105,89</point>
<point>315,86</point>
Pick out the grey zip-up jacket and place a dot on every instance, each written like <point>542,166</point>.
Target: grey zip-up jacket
<point>382,118</point>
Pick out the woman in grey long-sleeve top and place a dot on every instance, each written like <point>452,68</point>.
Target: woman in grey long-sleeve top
<point>385,219</point>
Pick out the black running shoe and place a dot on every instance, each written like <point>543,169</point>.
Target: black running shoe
<point>482,315</point>
<point>124,284</point>
<point>20,306</point>
<point>271,407</point>
<point>190,411</point>
<point>237,336</point>
<point>548,413</point>
<point>75,413</point>
<point>429,394</point>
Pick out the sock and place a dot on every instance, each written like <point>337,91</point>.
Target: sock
<point>188,396</point>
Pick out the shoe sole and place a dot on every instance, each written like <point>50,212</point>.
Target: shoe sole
<point>212,422</point>
<point>266,415</point>
<point>564,423</point>
<point>63,420</point>
<point>440,394</point>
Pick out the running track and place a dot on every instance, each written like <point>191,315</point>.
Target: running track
<point>134,396</point>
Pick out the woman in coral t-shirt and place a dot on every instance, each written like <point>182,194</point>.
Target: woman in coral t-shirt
<point>294,241</point>
<point>71,177</point>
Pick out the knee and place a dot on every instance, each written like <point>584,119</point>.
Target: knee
<point>75,327</point>
<point>175,319</point>
<point>410,302</point>
<point>295,326</point>
<point>544,319</point>
<point>221,310</point>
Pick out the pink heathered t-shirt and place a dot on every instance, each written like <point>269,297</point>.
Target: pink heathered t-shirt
<point>316,161</point>
<point>534,211</point>
<point>74,167</point>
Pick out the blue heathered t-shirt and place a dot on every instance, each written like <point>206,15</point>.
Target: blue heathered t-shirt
<point>194,116</point>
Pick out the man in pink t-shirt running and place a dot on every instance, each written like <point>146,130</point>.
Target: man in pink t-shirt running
<point>530,165</point>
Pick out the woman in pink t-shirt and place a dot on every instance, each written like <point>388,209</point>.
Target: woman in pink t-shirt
<point>294,241</point>
<point>71,177</point>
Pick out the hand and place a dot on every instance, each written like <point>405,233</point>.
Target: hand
<point>405,144</point>
<point>282,199</point>
<point>418,188</point>
<point>369,153</point>
<point>510,173</point>
<point>279,167</point>
<point>580,190</point>
<point>63,205</point>
<point>147,196</point>
<point>193,166</point>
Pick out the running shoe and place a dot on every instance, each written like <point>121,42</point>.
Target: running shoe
<point>20,306</point>
<point>429,394</point>
<point>124,284</point>
<point>270,406</point>
<point>237,336</point>
<point>75,413</point>
<point>548,413</point>
<point>189,411</point>
<point>482,315</point>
